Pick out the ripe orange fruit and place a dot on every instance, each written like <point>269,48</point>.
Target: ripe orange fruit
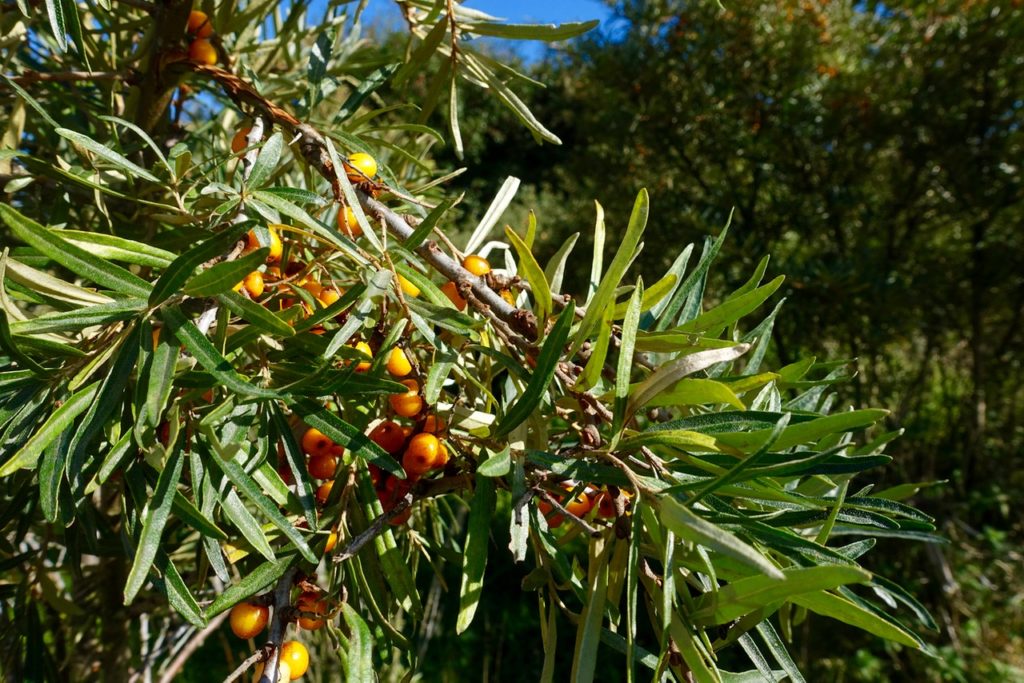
<point>248,620</point>
<point>408,404</point>
<point>328,295</point>
<point>312,286</point>
<point>295,655</point>
<point>580,505</point>
<point>322,466</point>
<point>442,455</point>
<point>324,491</point>
<point>408,288</point>
<point>202,51</point>
<point>241,140</point>
<point>546,509</point>
<point>421,454</point>
<point>332,540</point>
<point>315,442</point>
<point>348,223</point>
<point>199,24</point>
<point>253,284</point>
<point>359,165</point>
<point>433,425</point>
<point>275,246</point>
<point>452,292</point>
<point>364,348</point>
<point>389,436</point>
<point>398,363</point>
<point>477,265</point>
<point>311,602</point>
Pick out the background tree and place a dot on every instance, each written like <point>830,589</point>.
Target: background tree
<point>874,150</point>
<point>249,377</point>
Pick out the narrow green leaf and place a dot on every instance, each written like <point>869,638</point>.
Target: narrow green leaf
<point>75,259</point>
<point>555,269</point>
<point>426,226</point>
<point>80,318</point>
<point>624,255</point>
<point>253,582</point>
<point>545,32</point>
<point>693,283</point>
<point>178,594</point>
<point>296,463</point>
<point>534,275</point>
<point>107,154</point>
<point>547,362</point>
<point>251,490</point>
<point>8,344</point>
<point>652,295</point>
<point>670,373</point>
<point>246,523</point>
<point>806,431</point>
<point>266,160</point>
<point>223,276</point>
<point>474,556</point>
<point>846,611</point>
<point>145,138</point>
<point>208,356</point>
<point>588,633</point>
<point>498,465</point>
<point>624,367</point>
<point>360,647</point>
<point>687,525</point>
<point>730,311</point>
<point>161,379</point>
<point>55,13</point>
<point>154,518</point>
<point>256,314</point>
<point>181,269</point>
<point>695,392</point>
<point>746,595</point>
<point>60,420</point>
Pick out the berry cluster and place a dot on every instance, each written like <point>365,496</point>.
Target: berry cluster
<point>200,30</point>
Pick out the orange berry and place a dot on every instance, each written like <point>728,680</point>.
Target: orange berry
<point>248,620</point>
<point>398,363</point>
<point>477,265</point>
<point>202,52</point>
<point>156,336</point>
<point>313,287</point>
<point>295,655</point>
<point>324,491</point>
<point>407,431</point>
<point>408,404</point>
<point>332,540</point>
<point>364,348</point>
<point>433,425</point>
<point>452,292</point>
<point>311,603</point>
<point>315,442</point>
<point>546,509</point>
<point>388,435</point>
<point>276,247</point>
<point>199,24</point>
<point>580,505</point>
<point>408,288</point>
<point>442,455</point>
<point>241,140</point>
<point>360,166</point>
<point>421,454</point>
<point>348,223</point>
<point>328,295</point>
<point>253,284</point>
<point>322,466</point>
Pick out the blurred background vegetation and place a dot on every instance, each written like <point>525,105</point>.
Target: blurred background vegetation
<point>875,150</point>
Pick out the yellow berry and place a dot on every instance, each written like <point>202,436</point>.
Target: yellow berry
<point>295,655</point>
<point>199,24</point>
<point>202,51</point>
<point>398,363</point>
<point>361,166</point>
<point>247,620</point>
<point>348,223</point>
<point>477,265</point>
<point>408,288</point>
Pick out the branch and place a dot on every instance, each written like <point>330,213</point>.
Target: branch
<point>31,76</point>
<point>371,532</point>
<point>277,626</point>
<point>314,148</point>
<point>194,644</point>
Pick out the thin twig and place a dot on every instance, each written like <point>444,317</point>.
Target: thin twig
<point>250,661</point>
<point>30,76</point>
<point>371,532</point>
<point>194,644</point>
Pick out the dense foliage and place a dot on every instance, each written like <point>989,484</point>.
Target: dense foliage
<point>248,376</point>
